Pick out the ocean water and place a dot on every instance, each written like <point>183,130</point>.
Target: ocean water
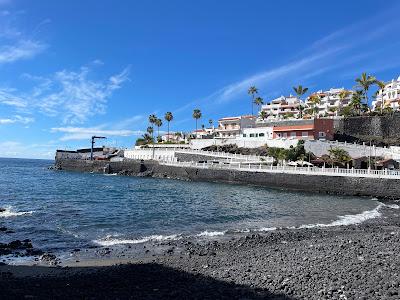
<point>60,211</point>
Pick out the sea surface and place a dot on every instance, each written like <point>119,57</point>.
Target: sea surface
<point>60,211</point>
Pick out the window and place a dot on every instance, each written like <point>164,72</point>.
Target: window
<point>251,134</point>
<point>261,134</point>
<point>293,134</point>
<point>285,135</point>
<point>256,134</point>
<point>321,134</point>
<point>304,134</point>
<point>244,135</point>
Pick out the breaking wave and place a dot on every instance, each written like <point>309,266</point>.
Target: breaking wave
<point>211,233</point>
<point>341,221</point>
<point>350,219</point>
<point>110,240</point>
<point>9,212</point>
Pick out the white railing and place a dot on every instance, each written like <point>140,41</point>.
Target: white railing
<point>148,153</point>
<point>251,167</point>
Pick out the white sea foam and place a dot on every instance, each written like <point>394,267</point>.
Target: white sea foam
<point>211,233</point>
<point>394,206</point>
<point>9,212</point>
<point>350,219</point>
<point>111,240</point>
<point>263,229</point>
<point>112,174</point>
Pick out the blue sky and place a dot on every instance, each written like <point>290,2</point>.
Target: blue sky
<point>69,69</point>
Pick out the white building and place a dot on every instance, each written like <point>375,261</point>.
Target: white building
<point>231,127</point>
<point>260,133</point>
<point>174,137</point>
<point>204,133</point>
<point>389,96</point>
<point>330,101</point>
<point>283,108</point>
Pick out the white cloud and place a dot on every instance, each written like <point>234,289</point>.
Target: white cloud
<point>84,133</point>
<point>23,49</point>
<point>16,119</point>
<point>71,95</point>
<point>8,97</point>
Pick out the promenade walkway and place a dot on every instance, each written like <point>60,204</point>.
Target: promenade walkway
<point>251,167</point>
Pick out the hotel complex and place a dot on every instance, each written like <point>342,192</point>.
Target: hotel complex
<point>290,118</point>
<point>389,96</point>
<point>331,101</point>
<point>283,108</point>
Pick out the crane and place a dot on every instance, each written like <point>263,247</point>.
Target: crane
<point>94,137</point>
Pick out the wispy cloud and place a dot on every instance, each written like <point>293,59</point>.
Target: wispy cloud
<point>16,119</point>
<point>343,49</point>
<point>84,133</point>
<point>8,97</point>
<point>16,44</point>
<point>71,95</point>
<point>22,49</point>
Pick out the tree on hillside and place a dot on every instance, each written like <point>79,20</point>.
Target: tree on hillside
<point>314,100</point>
<point>252,91</point>
<point>364,82</point>
<point>158,123</point>
<point>342,95</point>
<point>168,117</point>
<point>259,101</point>
<point>381,85</point>
<point>356,102</point>
<point>300,91</point>
<point>263,115</point>
<point>196,116</point>
<point>150,131</point>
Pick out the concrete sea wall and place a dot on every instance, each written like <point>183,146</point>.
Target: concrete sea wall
<point>352,186</point>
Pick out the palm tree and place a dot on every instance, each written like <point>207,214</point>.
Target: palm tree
<point>196,116</point>
<point>356,101</point>
<point>150,131</point>
<point>314,99</point>
<point>152,119</point>
<point>342,95</point>
<point>364,82</point>
<point>381,85</point>
<point>158,123</point>
<point>168,117</point>
<point>259,101</point>
<point>252,91</point>
<point>263,115</point>
<point>300,91</point>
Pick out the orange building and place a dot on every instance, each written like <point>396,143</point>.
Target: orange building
<point>318,129</point>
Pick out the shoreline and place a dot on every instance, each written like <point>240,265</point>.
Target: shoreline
<point>352,261</point>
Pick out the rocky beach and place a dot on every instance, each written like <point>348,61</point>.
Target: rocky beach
<point>337,262</point>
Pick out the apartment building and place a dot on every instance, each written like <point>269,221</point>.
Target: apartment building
<point>283,107</point>
<point>389,96</point>
<point>231,127</point>
<point>330,101</point>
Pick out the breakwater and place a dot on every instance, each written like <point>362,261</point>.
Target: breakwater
<point>328,184</point>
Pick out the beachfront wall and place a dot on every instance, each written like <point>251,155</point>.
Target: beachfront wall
<point>342,185</point>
